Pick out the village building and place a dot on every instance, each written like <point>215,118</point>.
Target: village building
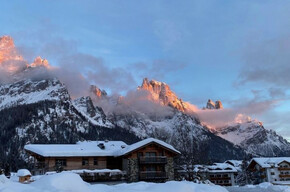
<point>275,170</point>
<point>146,160</point>
<point>218,173</point>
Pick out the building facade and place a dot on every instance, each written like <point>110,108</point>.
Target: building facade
<point>273,169</point>
<point>147,160</point>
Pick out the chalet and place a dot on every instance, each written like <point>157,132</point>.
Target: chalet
<point>272,169</point>
<point>146,160</point>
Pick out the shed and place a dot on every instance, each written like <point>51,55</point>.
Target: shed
<point>24,175</point>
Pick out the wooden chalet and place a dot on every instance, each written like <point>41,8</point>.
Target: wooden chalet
<point>146,160</point>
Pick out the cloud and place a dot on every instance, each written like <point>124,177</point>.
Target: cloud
<point>239,113</point>
<point>267,63</point>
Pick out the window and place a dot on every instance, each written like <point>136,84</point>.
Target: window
<point>150,154</point>
<point>272,173</point>
<point>60,162</point>
<point>140,154</point>
<point>226,181</point>
<point>85,161</point>
<point>95,161</point>
<point>151,168</point>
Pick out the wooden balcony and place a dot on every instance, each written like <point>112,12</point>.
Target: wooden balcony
<point>153,160</point>
<point>152,175</point>
<point>284,176</point>
<point>219,178</point>
<point>284,168</point>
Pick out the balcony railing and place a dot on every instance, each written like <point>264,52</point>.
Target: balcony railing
<point>284,168</point>
<point>283,176</point>
<point>152,175</point>
<point>153,160</point>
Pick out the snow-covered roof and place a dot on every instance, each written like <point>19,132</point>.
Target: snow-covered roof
<point>91,148</point>
<point>23,172</point>
<point>87,148</point>
<point>267,162</point>
<point>144,142</point>
<point>221,167</point>
<point>235,163</point>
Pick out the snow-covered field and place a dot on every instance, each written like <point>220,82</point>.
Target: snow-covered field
<point>70,182</point>
<point>263,187</point>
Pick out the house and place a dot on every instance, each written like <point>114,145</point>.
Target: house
<point>146,160</point>
<point>23,175</point>
<point>270,169</point>
<point>218,173</point>
<point>222,174</point>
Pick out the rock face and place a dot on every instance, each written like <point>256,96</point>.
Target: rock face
<point>100,94</point>
<point>255,139</point>
<point>162,94</point>
<point>93,114</point>
<point>211,105</point>
<point>7,50</point>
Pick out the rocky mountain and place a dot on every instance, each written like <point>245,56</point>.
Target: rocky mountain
<point>160,92</point>
<point>196,143</point>
<point>214,105</point>
<point>255,139</point>
<point>35,107</point>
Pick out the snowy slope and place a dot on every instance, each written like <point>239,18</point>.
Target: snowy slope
<point>185,133</point>
<point>93,114</point>
<point>29,91</point>
<point>255,139</point>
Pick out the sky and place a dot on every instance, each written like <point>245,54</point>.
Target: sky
<point>233,51</point>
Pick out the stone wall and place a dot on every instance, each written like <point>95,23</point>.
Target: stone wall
<point>169,168</point>
<point>133,171</point>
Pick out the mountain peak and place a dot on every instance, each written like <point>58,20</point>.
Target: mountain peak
<point>100,94</point>
<point>8,50</point>
<point>39,62</point>
<point>214,105</point>
<point>162,94</point>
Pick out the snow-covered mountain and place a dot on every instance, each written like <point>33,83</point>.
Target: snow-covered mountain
<point>36,107</point>
<point>255,139</point>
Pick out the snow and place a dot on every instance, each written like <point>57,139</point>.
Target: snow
<point>139,144</point>
<point>235,163</point>
<point>23,172</point>
<point>221,167</point>
<point>90,148</point>
<point>262,187</point>
<point>270,161</point>
<point>13,94</point>
<point>87,148</point>
<point>70,182</point>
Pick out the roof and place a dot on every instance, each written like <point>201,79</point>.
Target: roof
<point>235,163</point>
<point>267,162</point>
<point>23,172</point>
<point>82,149</point>
<point>144,142</point>
<point>90,148</point>
<point>221,167</point>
